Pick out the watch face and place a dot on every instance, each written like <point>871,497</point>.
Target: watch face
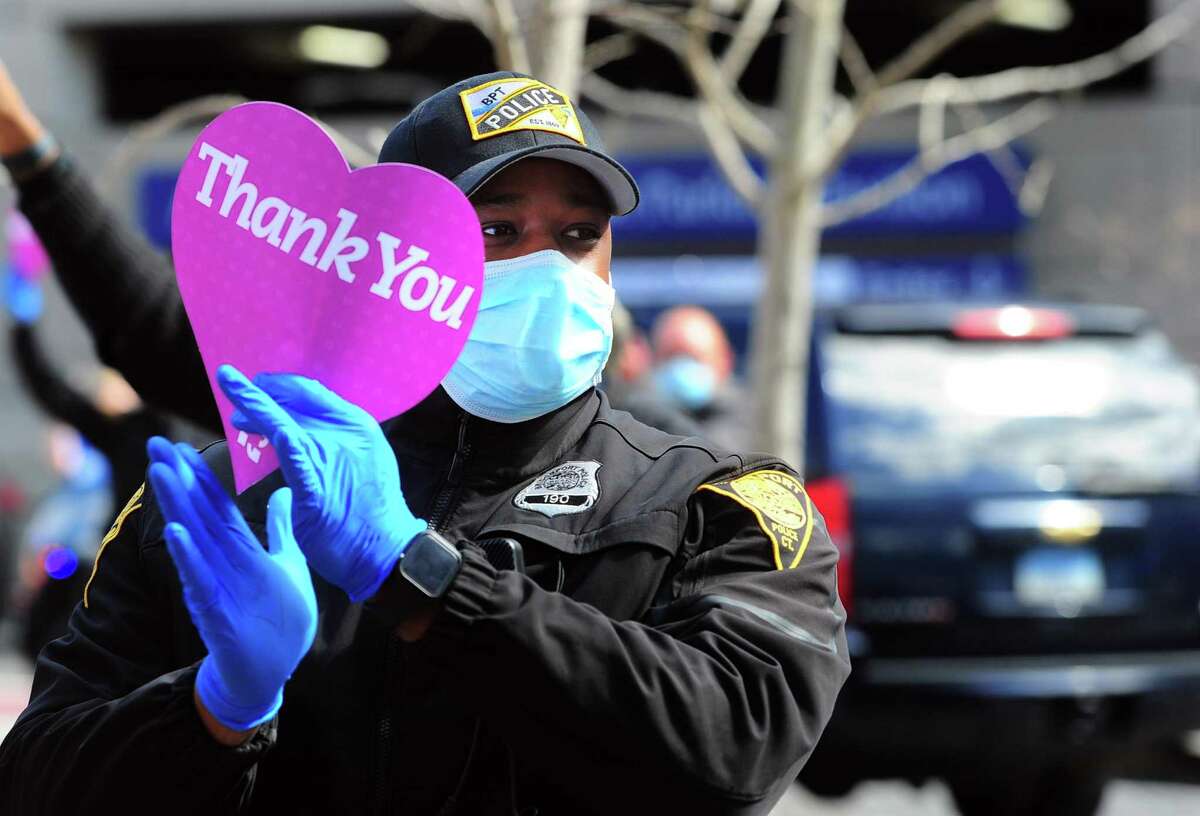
<point>430,564</point>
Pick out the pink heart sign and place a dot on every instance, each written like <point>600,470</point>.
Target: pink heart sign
<point>368,281</point>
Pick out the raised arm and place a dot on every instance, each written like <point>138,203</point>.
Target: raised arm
<point>123,290</point>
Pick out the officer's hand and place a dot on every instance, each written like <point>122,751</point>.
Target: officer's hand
<point>255,609</point>
<point>22,298</point>
<point>350,515</point>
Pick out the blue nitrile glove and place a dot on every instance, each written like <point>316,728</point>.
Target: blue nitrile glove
<point>22,298</point>
<point>350,516</point>
<point>255,609</point>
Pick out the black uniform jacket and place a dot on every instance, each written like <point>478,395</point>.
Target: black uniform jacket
<point>654,658</point>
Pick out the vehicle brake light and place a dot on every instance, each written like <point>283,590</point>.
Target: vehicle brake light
<point>832,498</point>
<point>1013,323</point>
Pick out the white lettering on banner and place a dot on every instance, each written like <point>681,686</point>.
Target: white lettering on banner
<point>434,295</point>
<point>421,287</point>
<point>301,223</point>
<point>343,248</point>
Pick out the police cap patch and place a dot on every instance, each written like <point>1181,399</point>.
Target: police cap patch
<point>782,508</point>
<point>519,103</point>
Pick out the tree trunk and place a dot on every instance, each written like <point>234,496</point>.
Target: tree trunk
<point>556,43</point>
<point>790,233</point>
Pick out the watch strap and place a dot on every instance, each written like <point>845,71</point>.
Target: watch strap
<point>32,159</point>
<point>421,576</point>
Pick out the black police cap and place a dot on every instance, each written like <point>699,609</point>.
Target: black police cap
<point>472,130</point>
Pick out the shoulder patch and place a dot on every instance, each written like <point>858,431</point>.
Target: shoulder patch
<point>519,103</point>
<point>571,487</point>
<point>135,501</point>
<point>783,510</point>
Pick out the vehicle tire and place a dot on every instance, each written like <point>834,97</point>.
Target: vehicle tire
<point>1058,790</point>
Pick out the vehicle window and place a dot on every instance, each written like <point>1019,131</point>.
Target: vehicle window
<point>1094,414</point>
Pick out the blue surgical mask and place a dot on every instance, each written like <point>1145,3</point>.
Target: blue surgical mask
<point>541,338</point>
<point>686,382</point>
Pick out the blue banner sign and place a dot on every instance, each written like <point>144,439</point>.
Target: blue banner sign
<point>155,192</point>
<point>734,281</point>
<point>684,197</point>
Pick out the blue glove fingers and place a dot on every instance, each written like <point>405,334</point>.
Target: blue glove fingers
<point>191,509</point>
<point>279,522</point>
<point>257,412</point>
<point>253,405</point>
<point>162,451</point>
<point>303,395</point>
<point>172,497</point>
<point>214,505</point>
<point>285,552</point>
<point>199,585</point>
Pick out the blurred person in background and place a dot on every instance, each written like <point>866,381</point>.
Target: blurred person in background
<point>627,382</point>
<point>113,423</point>
<point>693,372</point>
<point>673,631</point>
<point>13,503</point>
<point>60,539</point>
<point>122,289</point>
<point>113,420</point>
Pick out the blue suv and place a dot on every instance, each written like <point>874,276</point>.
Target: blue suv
<point>1015,491</point>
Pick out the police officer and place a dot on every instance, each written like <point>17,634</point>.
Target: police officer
<point>510,599</point>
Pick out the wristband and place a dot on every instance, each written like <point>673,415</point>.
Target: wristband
<point>32,159</point>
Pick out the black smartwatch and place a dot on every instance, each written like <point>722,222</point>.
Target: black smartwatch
<point>421,576</point>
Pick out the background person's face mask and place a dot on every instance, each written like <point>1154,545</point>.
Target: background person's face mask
<point>542,336</point>
<point>686,382</point>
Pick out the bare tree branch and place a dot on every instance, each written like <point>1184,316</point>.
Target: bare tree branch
<point>470,11</point>
<point>690,45</point>
<point>650,104</point>
<point>935,42</point>
<point>731,159</point>
<point>1014,82</point>
<point>721,95</point>
<point>201,109</point>
<point>609,49</point>
<point>917,56</point>
<point>504,30</point>
<point>756,22</point>
<point>855,62</point>
<point>931,126</point>
<point>722,144</point>
<point>1164,31</point>
<point>1004,158</point>
<point>927,162</point>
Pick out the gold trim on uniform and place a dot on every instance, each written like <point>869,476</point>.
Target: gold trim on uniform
<point>133,504</point>
<point>782,508</point>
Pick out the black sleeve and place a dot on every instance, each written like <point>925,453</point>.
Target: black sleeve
<point>709,705</point>
<point>111,726</point>
<point>123,290</point>
<point>52,393</point>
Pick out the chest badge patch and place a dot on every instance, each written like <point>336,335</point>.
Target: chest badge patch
<point>783,510</point>
<point>504,105</point>
<point>571,487</point>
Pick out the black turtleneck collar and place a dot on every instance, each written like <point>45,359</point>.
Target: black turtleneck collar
<point>435,428</point>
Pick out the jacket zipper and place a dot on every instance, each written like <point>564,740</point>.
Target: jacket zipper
<point>437,517</point>
<point>442,505</point>
<point>384,752</point>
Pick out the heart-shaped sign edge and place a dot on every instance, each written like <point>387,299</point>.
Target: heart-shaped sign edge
<point>422,210</point>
